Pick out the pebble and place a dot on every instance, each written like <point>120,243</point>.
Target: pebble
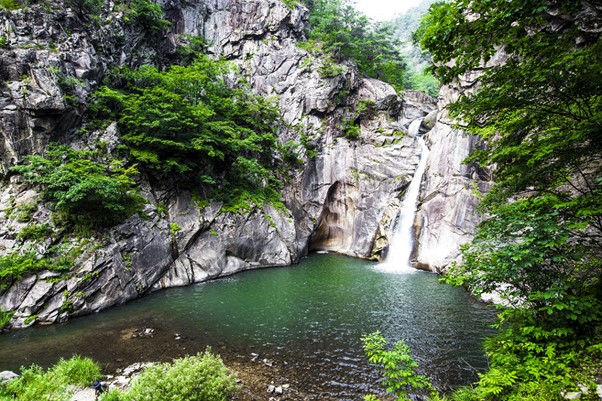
<point>278,390</point>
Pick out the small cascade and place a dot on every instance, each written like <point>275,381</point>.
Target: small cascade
<point>400,247</point>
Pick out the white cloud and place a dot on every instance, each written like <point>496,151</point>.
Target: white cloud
<point>382,10</point>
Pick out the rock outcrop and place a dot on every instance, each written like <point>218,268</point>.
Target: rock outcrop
<point>447,215</point>
<point>342,198</point>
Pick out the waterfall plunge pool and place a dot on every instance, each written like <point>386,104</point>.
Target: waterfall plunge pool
<point>307,318</point>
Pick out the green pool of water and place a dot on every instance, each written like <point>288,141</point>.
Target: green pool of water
<point>307,318</point>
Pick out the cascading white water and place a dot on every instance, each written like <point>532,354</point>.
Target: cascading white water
<point>400,247</point>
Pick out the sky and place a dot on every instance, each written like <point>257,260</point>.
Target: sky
<point>382,10</point>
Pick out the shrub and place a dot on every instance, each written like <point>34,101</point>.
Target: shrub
<point>114,395</point>
<point>87,8</point>
<point>148,15</point>
<point>35,232</point>
<point>203,377</point>
<point>330,69</point>
<point>398,367</point>
<point>16,265</point>
<point>352,131</point>
<point>25,212</point>
<point>9,5</point>
<point>86,191</point>
<point>174,228</point>
<point>345,33</point>
<point>35,384</point>
<point>77,370</point>
<point>291,3</point>
<point>5,317</point>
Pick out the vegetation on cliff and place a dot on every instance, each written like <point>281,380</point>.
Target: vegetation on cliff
<point>343,33</point>
<point>191,124</point>
<point>539,114</point>
<point>87,188</point>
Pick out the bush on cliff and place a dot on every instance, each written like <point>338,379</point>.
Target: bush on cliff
<point>87,189</point>
<point>190,124</point>
<point>345,33</point>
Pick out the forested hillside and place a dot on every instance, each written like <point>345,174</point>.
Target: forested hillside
<point>404,27</point>
<point>538,111</point>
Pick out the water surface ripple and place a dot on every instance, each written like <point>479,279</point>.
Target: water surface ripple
<point>308,318</point>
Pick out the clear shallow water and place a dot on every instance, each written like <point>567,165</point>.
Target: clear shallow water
<point>308,318</point>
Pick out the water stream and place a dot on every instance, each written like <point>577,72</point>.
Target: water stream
<point>400,248</point>
<point>307,318</point>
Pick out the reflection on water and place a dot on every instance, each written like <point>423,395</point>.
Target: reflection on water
<point>308,318</point>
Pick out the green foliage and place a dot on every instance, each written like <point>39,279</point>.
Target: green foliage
<point>174,228</point>
<point>35,232</point>
<point>423,81</point>
<point>330,69</point>
<point>148,15</point>
<point>35,384</point>
<point>405,25</point>
<point>398,367</point>
<point>5,317</point>
<point>189,48</point>
<point>339,30</point>
<point>291,3</point>
<point>25,212</point>
<point>30,319</point>
<point>203,377</point>
<point>539,115</point>
<point>86,190</point>
<point>351,131</point>
<point>9,5</point>
<point>16,265</point>
<point>366,108</point>
<point>87,8</point>
<point>188,123</point>
<point>4,43</point>
<point>77,371</point>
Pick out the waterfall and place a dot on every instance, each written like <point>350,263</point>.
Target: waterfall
<point>400,247</point>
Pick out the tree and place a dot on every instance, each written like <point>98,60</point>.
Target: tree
<point>347,34</point>
<point>539,114</point>
<point>189,123</point>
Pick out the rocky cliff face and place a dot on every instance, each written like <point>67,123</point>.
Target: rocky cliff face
<point>342,199</point>
<point>447,214</point>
